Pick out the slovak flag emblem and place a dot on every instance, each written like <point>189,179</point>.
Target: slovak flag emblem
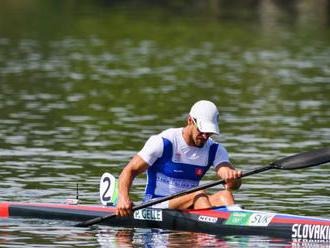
<point>199,171</point>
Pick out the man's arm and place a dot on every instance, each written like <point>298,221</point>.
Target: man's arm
<point>136,166</point>
<point>227,172</point>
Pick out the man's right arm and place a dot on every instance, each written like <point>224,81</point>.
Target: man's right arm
<point>136,166</point>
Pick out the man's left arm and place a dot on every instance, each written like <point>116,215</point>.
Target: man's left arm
<point>228,172</point>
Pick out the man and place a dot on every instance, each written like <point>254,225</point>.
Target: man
<point>177,159</point>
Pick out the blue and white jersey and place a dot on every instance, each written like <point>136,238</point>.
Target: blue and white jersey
<point>175,166</point>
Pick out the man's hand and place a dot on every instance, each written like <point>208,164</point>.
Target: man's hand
<point>231,176</point>
<point>124,206</point>
<point>227,173</point>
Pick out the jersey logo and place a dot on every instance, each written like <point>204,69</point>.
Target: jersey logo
<point>199,171</point>
<point>177,157</point>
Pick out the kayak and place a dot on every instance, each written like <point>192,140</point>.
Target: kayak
<point>224,221</point>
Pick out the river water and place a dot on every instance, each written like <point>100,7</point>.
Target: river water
<point>83,84</point>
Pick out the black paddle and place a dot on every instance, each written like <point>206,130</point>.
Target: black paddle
<point>298,161</point>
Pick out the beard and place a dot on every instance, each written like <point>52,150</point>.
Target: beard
<point>199,142</point>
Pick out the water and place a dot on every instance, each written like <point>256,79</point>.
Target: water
<point>83,85</point>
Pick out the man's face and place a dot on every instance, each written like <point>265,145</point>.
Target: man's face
<point>199,138</point>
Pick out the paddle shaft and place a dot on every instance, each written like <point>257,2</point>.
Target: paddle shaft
<point>166,198</point>
<point>298,161</point>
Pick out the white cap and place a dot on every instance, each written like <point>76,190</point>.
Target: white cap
<point>206,116</point>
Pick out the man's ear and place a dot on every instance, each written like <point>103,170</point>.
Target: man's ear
<point>189,120</point>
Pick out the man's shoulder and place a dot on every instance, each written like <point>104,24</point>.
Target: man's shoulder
<point>171,133</point>
<point>221,148</point>
<point>211,141</point>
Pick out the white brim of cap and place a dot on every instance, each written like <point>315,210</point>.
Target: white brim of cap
<point>208,127</point>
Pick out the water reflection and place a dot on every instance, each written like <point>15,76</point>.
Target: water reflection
<point>152,238</point>
<point>34,233</point>
<point>156,238</point>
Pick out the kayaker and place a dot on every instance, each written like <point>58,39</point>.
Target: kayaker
<point>177,159</point>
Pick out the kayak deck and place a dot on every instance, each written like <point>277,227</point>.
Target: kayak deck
<point>221,220</point>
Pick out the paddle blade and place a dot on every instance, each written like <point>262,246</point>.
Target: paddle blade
<point>303,160</point>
